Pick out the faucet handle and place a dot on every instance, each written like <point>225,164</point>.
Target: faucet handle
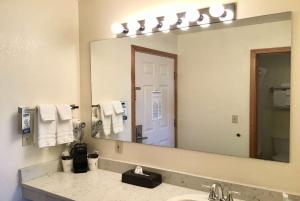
<point>230,195</point>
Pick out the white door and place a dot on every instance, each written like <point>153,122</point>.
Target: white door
<point>155,98</point>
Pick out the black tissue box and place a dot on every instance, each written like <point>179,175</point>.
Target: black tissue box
<point>148,180</point>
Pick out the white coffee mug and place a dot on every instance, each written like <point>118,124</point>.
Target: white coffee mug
<point>93,162</point>
<point>67,165</point>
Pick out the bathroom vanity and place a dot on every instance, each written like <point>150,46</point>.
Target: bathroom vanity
<point>100,185</point>
<point>46,182</point>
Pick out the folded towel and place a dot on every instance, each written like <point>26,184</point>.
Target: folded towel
<point>64,112</point>
<point>280,99</point>
<point>46,125</point>
<point>47,112</point>
<point>117,117</point>
<point>64,132</point>
<point>106,117</point>
<point>107,108</point>
<point>117,106</point>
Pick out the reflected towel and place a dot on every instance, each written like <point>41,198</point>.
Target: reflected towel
<point>105,116</point>
<point>117,117</point>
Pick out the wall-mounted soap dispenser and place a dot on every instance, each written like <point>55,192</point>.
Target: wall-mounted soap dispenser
<point>26,125</point>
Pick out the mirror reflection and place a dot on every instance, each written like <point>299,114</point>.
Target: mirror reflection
<point>222,89</point>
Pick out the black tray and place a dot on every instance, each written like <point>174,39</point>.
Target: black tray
<point>149,180</point>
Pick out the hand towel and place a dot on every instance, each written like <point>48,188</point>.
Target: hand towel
<point>107,108</point>
<point>280,98</point>
<point>64,132</point>
<point>117,117</point>
<point>46,125</point>
<point>64,112</point>
<point>117,106</point>
<point>105,115</point>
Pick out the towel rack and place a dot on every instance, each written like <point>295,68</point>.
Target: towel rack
<point>73,107</point>
<point>26,123</point>
<point>124,105</point>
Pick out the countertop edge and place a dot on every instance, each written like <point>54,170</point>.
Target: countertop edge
<point>43,192</point>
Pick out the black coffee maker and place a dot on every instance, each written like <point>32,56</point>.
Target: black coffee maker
<point>80,163</point>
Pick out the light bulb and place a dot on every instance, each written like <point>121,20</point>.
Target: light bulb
<point>117,28</point>
<point>171,19</point>
<point>204,22</point>
<point>151,22</point>
<point>133,25</point>
<point>229,15</point>
<point>216,10</point>
<point>131,34</point>
<point>184,25</point>
<point>192,15</point>
<point>165,28</point>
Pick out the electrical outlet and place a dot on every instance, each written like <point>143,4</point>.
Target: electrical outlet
<point>235,119</point>
<point>119,147</point>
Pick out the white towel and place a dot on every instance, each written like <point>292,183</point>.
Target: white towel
<point>117,117</point>
<point>117,106</point>
<point>64,132</point>
<point>105,115</point>
<point>107,108</point>
<point>64,112</point>
<point>46,125</point>
<point>280,99</point>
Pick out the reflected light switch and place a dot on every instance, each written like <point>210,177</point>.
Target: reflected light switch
<point>235,119</point>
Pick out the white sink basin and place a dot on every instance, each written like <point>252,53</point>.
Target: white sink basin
<point>190,197</point>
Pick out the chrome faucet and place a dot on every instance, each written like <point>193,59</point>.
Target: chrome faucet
<point>216,193</point>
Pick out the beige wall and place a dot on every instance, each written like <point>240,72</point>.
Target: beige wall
<point>214,84</point>
<point>38,64</point>
<point>96,17</point>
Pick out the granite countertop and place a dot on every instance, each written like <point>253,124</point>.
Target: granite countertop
<point>102,185</point>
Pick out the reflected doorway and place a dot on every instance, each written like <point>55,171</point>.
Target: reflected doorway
<point>154,97</point>
<point>270,104</point>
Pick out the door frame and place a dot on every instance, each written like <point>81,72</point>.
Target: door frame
<point>140,49</point>
<point>253,93</point>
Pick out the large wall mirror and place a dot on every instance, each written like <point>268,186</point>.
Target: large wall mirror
<point>223,89</point>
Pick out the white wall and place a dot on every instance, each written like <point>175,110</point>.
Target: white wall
<point>111,71</point>
<point>38,64</point>
<point>214,84</point>
<point>96,17</point>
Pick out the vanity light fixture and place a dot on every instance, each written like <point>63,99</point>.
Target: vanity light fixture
<point>117,28</point>
<point>164,26</point>
<point>171,19</point>
<point>183,24</point>
<point>149,24</point>
<point>203,17</point>
<point>192,15</point>
<point>228,17</point>
<point>133,26</point>
<point>216,10</point>
<point>204,22</point>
